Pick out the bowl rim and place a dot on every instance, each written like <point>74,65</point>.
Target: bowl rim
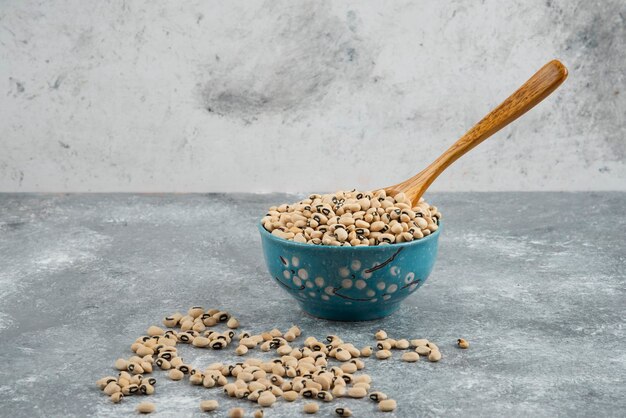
<point>282,241</point>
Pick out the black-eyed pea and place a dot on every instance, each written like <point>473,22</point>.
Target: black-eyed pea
<point>347,378</point>
<point>163,364</point>
<point>410,357</point>
<point>367,351</point>
<point>339,391</point>
<point>311,408</point>
<point>221,316</point>
<point>259,374</point>
<point>354,352</point>
<point>387,405</point>
<point>357,392</point>
<point>146,408</point>
<point>236,413</point>
<point>112,388</point>
<point>296,330</point>
<point>135,359</point>
<point>121,375</point>
<point>198,327</point>
<point>343,412</point>
<point>146,389</point>
<point>172,320</point>
<point>380,335</point>
<point>116,397</point>
<point>208,406</point>
<point>432,346</point>
<point>187,325</point>
<point>121,364</point>
<point>245,376</point>
<point>402,344</point>
<point>290,395</point>
<point>360,364</point>
<point>309,341</point>
<point>362,378</point>
<point>419,342</point>
<point>309,392</point>
<point>176,374</point>
<point>422,350</point>
<point>384,345</point>
<point>209,321</point>
<point>242,393</point>
<point>343,355</point>
<point>241,350</point>
<point>185,368</point>
<point>377,396</point>
<point>217,344</point>
<point>325,396</point>
<point>349,367</point>
<point>230,389</point>
<point>258,413</point>
<point>201,342</point>
<point>102,383</point>
<point>254,385</point>
<point>254,395</point>
<point>383,354</point>
<point>434,356</point>
<point>462,343</point>
<point>278,370</point>
<point>169,340</point>
<point>289,336</point>
<point>266,399</point>
<point>195,311</point>
<point>154,330</point>
<point>232,323</point>
<point>150,380</point>
<point>324,381</point>
<point>291,372</point>
<point>208,382</point>
<point>196,379</point>
<point>134,368</point>
<point>284,350</point>
<point>311,384</point>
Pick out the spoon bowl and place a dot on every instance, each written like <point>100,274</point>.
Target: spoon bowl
<point>349,283</point>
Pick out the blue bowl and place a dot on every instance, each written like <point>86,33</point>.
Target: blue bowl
<point>349,283</point>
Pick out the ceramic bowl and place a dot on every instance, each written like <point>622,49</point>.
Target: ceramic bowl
<point>349,283</point>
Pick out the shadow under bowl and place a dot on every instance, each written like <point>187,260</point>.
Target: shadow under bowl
<point>349,283</point>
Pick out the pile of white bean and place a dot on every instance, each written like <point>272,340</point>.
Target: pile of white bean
<point>352,219</point>
<point>294,372</point>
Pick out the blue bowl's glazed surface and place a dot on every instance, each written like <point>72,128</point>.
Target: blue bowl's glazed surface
<point>349,283</point>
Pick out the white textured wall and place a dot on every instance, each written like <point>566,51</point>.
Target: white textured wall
<point>291,96</point>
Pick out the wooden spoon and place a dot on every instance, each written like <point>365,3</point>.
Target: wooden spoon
<point>537,88</point>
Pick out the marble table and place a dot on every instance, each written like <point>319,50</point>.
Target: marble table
<point>535,281</point>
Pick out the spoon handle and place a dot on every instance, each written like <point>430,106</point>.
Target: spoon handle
<point>537,88</point>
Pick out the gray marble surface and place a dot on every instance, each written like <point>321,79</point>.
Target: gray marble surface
<point>152,96</point>
<point>535,281</point>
